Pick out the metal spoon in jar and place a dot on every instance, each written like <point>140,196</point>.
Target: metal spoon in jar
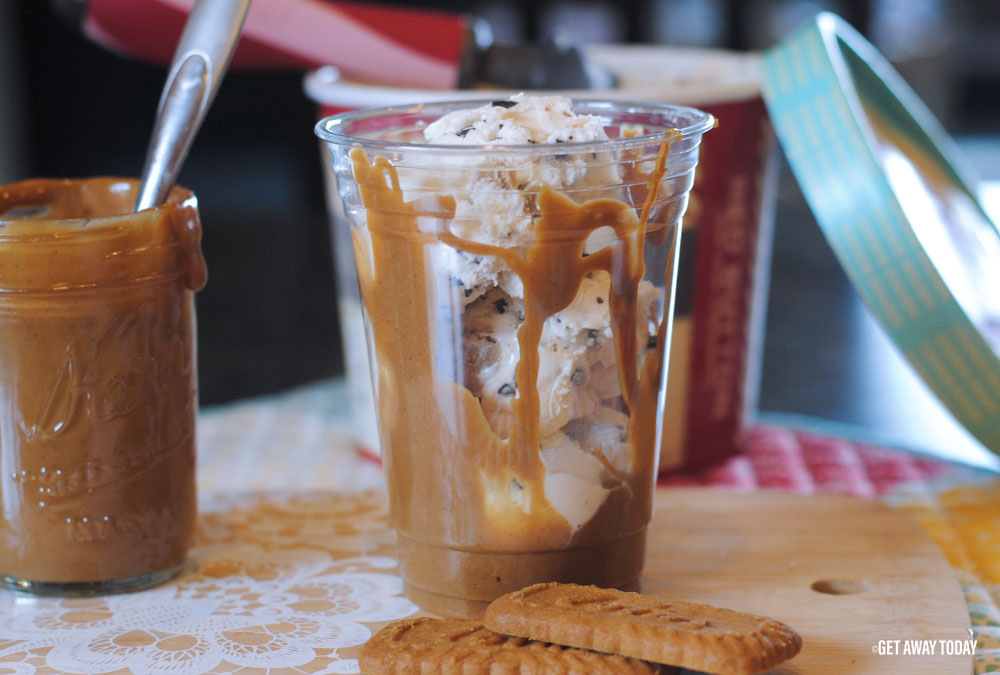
<point>201,59</point>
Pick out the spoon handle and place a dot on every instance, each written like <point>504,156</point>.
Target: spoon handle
<point>199,63</point>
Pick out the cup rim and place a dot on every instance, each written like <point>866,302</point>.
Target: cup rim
<point>330,128</point>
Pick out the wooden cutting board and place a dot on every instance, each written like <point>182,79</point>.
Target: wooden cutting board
<point>844,572</point>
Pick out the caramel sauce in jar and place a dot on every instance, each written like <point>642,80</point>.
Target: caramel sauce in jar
<point>98,385</point>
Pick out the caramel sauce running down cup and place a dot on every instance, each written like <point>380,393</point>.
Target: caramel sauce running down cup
<point>470,498</point>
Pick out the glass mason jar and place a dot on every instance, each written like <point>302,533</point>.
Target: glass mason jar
<point>517,301</point>
<point>98,385</point>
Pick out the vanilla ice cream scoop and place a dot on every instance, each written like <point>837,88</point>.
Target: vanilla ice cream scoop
<point>495,191</point>
<point>515,121</point>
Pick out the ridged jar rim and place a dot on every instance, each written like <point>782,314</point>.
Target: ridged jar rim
<point>47,252</point>
<point>40,226</point>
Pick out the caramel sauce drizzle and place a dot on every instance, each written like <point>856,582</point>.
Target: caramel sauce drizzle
<point>436,440</point>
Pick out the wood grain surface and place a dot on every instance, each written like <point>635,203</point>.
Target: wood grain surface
<point>879,575</point>
<point>844,572</point>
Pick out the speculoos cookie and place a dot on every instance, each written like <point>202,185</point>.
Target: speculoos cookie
<point>464,647</point>
<point>685,634</point>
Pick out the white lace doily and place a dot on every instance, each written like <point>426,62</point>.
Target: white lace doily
<point>292,571</point>
<point>289,583</point>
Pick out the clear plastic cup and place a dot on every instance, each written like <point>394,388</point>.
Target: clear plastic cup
<point>517,305</point>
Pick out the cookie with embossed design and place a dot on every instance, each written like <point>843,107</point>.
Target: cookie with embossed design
<point>685,634</point>
<point>464,647</point>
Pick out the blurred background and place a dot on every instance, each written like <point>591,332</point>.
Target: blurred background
<point>267,318</point>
